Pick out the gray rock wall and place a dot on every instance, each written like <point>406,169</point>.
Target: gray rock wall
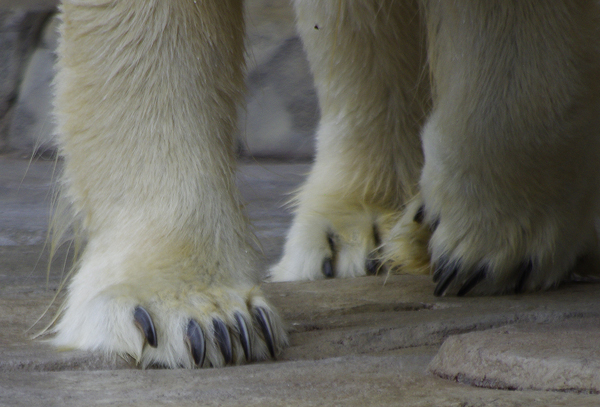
<point>32,128</point>
<point>19,34</point>
<point>278,120</point>
<point>281,114</point>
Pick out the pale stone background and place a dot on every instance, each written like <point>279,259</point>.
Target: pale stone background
<point>20,33</point>
<point>281,112</point>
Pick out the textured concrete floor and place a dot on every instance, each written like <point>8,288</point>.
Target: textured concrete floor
<point>366,341</point>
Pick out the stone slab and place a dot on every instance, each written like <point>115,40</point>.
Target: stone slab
<point>353,381</point>
<point>562,357</point>
<point>363,341</point>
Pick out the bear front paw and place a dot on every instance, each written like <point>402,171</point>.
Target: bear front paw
<point>503,255</point>
<point>173,325</point>
<point>331,243</point>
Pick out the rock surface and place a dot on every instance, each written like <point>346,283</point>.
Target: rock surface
<point>19,31</point>
<point>363,341</point>
<point>281,112</point>
<point>531,356</point>
<point>32,128</point>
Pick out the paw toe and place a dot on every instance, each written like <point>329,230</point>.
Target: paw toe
<point>336,245</point>
<point>419,216</point>
<point>372,266</point>
<point>452,273</point>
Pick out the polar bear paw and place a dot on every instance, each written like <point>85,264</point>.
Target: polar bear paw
<point>172,325</point>
<point>333,243</point>
<point>502,256</point>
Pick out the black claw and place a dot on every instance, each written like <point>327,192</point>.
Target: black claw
<point>376,236</point>
<point>331,242</point>
<point>145,324</point>
<point>440,267</point>
<point>244,336</point>
<point>420,215</point>
<point>327,268</point>
<point>223,339</point>
<point>195,339</point>
<point>472,281</point>
<point>372,266</point>
<point>523,272</point>
<point>265,325</point>
<point>440,289</point>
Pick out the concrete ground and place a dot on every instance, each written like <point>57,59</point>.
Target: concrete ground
<point>364,341</point>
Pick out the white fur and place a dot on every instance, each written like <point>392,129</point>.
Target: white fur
<point>369,69</point>
<point>511,146</point>
<point>505,97</point>
<point>146,99</point>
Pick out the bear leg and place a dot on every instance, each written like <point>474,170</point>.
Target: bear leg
<point>511,174</point>
<point>146,103</point>
<point>368,62</point>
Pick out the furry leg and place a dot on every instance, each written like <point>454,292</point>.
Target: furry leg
<point>368,62</point>
<point>146,104</point>
<point>510,182</point>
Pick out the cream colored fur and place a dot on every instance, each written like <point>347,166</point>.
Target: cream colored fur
<point>461,133</point>
<point>368,61</point>
<point>146,98</point>
<point>511,146</point>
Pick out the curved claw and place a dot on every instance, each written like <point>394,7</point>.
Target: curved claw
<point>440,267</point>
<point>195,339</point>
<point>143,321</point>
<point>223,339</point>
<point>523,272</point>
<point>244,336</point>
<point>372,266</point>
<point>475,279</point>
<point>420,215</point>
<point>265,325</point>
<point>327,268</point>
<point>440,289</point>
<point>331,242</point>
